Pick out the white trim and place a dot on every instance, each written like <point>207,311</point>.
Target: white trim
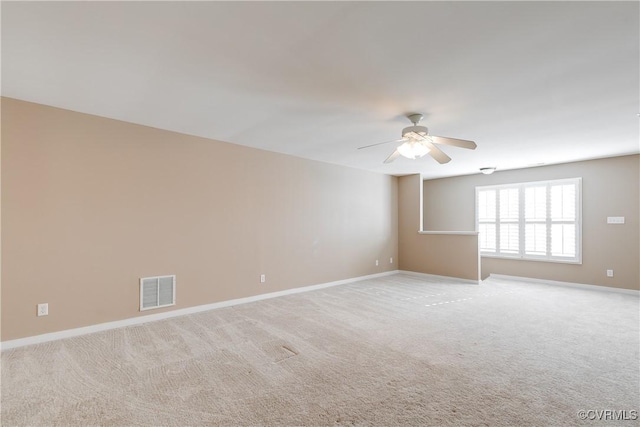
<point>437,277</point>
<point>53,336</point>
<point>460,233</point>
<point>598,288</point>
<point>529,258</point>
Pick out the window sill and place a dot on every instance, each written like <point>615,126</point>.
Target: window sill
<point>459,233</point>
<point>518,258</point>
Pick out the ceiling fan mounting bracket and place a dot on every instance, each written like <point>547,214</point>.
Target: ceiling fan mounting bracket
<point>415,118</point>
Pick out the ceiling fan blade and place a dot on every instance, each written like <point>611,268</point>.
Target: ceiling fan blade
<point>392,157</point>
<point>381,143</point>
<point>437,153</point>
<point>462,143</point>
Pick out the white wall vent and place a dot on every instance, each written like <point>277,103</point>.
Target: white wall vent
<point>156,292</point>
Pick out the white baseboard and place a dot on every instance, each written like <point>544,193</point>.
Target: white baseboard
<point>37,339</point>
<point>436,277</point>
<point>565,284</point>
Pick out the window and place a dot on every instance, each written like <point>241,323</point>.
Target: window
<point>532,220</point>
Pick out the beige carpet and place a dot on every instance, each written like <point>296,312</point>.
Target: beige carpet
<point>399,350</point>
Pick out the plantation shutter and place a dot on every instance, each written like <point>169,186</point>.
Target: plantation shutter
<point>509,221</point>
<point>536,220</point>
<point>486,210</point>
<point>535,213</point>
<point>563,220</point>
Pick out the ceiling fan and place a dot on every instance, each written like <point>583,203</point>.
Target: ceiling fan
<point>416,142</point>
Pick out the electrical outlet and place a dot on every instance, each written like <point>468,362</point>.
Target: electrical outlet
<point>391,260</point>
<point>377,262</point>
<point>263,278</point>
<point>43,309</point>
<point>609,273</point>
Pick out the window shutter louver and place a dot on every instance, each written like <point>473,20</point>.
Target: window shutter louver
<point>509,215</point>
<point>535,202</point>
<point>487,217</point>
<point>563,215</point>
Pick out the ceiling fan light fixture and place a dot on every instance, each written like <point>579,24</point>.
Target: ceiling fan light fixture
<point>488,170</point>
<point>413,150</point>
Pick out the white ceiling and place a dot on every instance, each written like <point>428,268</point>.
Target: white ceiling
<point>530,82</point>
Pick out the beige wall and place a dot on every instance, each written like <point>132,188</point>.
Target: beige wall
<point>90,205</point>
<point>610,187</point>
<point>440,254</point>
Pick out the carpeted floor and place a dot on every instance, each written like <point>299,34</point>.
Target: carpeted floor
<point>399,350</point>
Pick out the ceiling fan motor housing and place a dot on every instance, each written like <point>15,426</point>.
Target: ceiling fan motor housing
<point>412,131</point>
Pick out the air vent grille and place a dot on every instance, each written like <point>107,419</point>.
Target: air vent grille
<point>156,292</point>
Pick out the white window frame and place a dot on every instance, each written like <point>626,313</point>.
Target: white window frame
<point>522,255</point>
